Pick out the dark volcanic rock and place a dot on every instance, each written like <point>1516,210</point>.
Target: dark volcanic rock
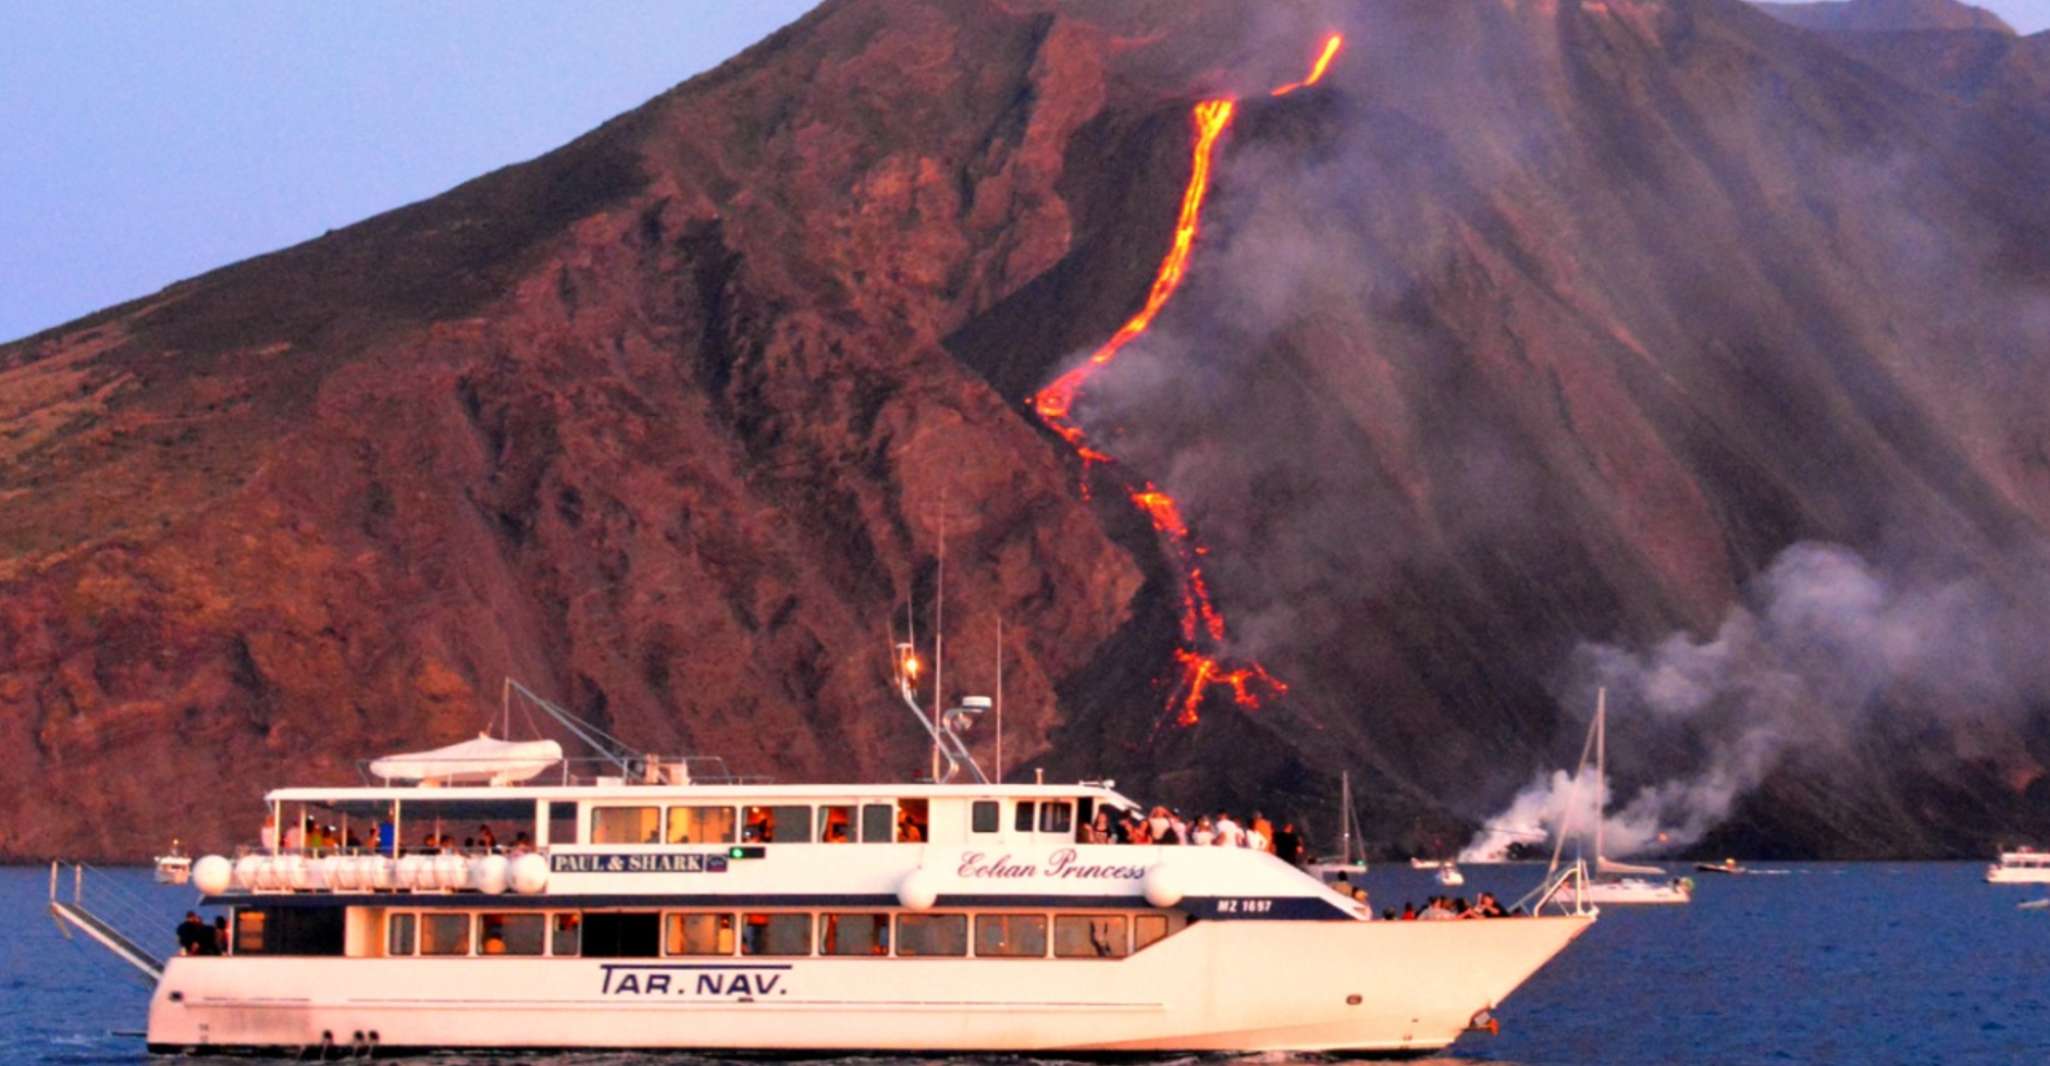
<point>1538,323</point>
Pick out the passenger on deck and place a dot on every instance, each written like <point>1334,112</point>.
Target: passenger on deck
<point>1488,907</point>
<point>221,935</point>
<point>487,839</point>
<point>295,836</point>
<point>1229,835</point>
<point>1099,827</point>
<point>1288,844</point>
<point>1438,911</point>
<point>1204,834</point>
<point>522,844</point>
<point>1264,829</point>
<point>269,836</point>
<point>191,932</point>
<point>1137,830</point>
<point>909,829</point>
<point>1408,911</point>
<point>1160,827</point>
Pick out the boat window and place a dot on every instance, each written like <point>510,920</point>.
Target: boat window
<point>1023,820</point>
<point>878,823</point>
<point>562,822</point>
<point>1148,929</point>
<point>626,825</point>
<point>1082,936</point>
<point>776,934</point>
<point>510,934</point>
<point>1010,935</point>
<point>854,934</point>
<point>768,825</point>
<point>912,825</point>
<point>568,932</point>
<point>701,825</point>
<point>444,934</point>
<point>398,938</point>
<point>622,934</point>
<point>1056,818</point>
<point>836,825</point>
<point>249,931</point>
<point>700,934</point>
<point>1085,813</point>
<point>290,931</point>
<point>932,934</point>
<point>982,817</point>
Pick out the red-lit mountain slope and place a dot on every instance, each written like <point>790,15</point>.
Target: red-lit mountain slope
<point>1533,323</point>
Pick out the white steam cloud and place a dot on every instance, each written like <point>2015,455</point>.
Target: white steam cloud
<point>1821,642</point>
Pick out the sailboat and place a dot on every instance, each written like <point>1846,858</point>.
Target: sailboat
<point>1618,882</point>
<point>1351,862</point>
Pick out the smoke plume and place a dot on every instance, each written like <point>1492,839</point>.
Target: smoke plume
<point>1822,643</point>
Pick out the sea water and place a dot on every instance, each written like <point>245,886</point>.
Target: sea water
<point>1830,963</point>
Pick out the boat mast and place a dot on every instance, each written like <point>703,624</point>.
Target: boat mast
<point>1345,815</point>
<point>1601,770</point>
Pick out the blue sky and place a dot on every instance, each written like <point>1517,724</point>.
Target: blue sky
<point>145,142</point>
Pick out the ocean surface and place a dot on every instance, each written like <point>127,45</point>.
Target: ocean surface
<point>1832,963</point>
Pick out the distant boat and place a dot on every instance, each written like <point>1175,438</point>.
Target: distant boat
<point>174,867</point>
<point>2022,866</point>
<point>1352,852</point>
<point>1425,864</point>
<point>1619,882</point>
<point>1727,866</point>
<point>1449,875</point>
<point>2034,905</point>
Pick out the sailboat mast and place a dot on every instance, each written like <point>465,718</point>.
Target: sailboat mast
<point>1601,769</point>
<point>1345,814</point>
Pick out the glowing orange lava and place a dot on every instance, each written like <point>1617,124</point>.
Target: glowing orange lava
<point>1202,624</point>
<point>1331,46</point>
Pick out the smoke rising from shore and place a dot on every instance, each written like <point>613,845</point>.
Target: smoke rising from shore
<point>1822,642</point>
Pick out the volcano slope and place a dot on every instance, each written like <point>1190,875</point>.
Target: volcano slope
<point>1533,324</point>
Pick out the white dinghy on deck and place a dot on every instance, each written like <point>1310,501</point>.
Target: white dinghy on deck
<point>485,760</point>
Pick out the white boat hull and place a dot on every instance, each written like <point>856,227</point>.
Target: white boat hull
<point>2027,875</point>
<point>1216,986</point>
<point>1632,891</point>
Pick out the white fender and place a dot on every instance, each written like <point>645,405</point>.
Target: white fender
<point>489,874</point>
<point>246,870</point>
<point>376,872</point>
<point>294,872</point>
<point>415,871</point>
<point>451,871</point>
<point>212,875</point>
<point>1162,887</point>
<point>919,890</point>
<point>528,874</point>
<point>327,871</point>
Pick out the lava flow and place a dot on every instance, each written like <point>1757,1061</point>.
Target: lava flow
<point>1202,624</point>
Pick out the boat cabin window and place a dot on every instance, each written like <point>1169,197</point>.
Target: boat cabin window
<point>700,934</point>
<point>290,931</point>
<point>982,817</point>
<point>775,934</point>
<point>1010,935</point>
<point>622,935</point>
<point>510,934</point>
<point>769,825</point>
<point>398,934</point>
<point>444,934</point>
<point>836,824</point>
<point>878,823</point>
<point>1147,930</point>
<point>1022,822</point>
<point>567,932</point>
<point>562,822</point>
<point>854,934</point>
<point>932,934</point>
<point>626,825</point>
<point>912,824</point>
<point>701,825</point>
<point>1083,936</point>
<point>1056,817</point>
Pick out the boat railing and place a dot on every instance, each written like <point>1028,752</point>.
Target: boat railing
<point>114,917</point>
<point>651,769</point>
<point>1565,891</point>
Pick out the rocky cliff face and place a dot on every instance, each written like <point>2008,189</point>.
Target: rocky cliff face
<point>1534,325</point>
<point>1889,16</point>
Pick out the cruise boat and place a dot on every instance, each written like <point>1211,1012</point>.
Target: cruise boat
<point>665,906</point>
<point>2022,866</point>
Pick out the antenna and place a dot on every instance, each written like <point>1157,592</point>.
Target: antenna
<point>1000,697</point>
<point>939,637</point>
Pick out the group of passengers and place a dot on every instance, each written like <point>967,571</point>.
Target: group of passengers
<point>309,836</point>
<point>195,937</point>
<point>1163,825</point>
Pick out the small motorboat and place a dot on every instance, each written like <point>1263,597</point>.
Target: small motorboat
<point>1449,875</point>
<point>174,867</point>
<point>2034,905</point>
<point>1727,866</point>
